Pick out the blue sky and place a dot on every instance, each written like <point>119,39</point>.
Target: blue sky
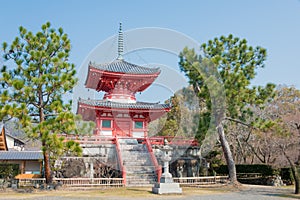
<point>273,24</point>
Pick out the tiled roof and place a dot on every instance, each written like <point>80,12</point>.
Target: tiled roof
<point>21,155</point>
<point>121,66</point>
<point>7,133</point>
<point>15,138</point>
<point>111,104</point>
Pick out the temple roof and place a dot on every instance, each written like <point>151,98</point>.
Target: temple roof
<point>121,66</point>
<point>137,105</point>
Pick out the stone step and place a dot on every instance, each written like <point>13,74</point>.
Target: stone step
<point>138,165</point>
<point>140,171</point>
<point>136,150</point>
<point>130,144</point>
<point>130,161</point>
<point>133,149</point>
<point>136,154</point>
<point>134,184</point>
<point>141,176</point>
<point>139,182</point>
<point>136,157</point>
<point>128,141</point>
<point>137,162</point>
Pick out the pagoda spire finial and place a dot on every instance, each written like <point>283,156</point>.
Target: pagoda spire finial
<point>120,43</point>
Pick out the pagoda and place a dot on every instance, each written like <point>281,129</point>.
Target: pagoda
<point>119,113</point>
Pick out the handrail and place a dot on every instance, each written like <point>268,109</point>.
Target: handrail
<point>156,140</point>
<point>180,141</point>
<point>118,148</point>
<point>158,168</point>
<point>94,139</point>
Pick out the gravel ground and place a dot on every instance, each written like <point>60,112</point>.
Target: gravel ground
<point>245,193</point>
<point>249,193</point>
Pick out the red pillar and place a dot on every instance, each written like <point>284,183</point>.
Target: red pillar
<point>98,123</point>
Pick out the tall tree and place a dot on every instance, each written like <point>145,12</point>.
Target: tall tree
<point>32,87</point>
<point>226,69</point>
<point>284,110</point>
<point>171,125</point>
<point>182,120</point>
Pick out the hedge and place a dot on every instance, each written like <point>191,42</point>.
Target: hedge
<point>264,170</point>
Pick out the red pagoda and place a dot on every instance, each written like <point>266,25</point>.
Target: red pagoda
<point>119,113</point>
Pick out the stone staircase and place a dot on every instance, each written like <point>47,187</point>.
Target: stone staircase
<point>139,168</point>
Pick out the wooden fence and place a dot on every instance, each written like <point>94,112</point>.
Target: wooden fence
<point>75,182</point>
<point>84,182</point>
<point>205,180</point>
<point>118,182</point>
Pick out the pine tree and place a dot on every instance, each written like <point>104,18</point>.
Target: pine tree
<point>222,78</point>
<point>32,88</point>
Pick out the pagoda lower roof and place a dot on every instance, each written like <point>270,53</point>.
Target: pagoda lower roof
<point>118,105</point>
<point>121,66</point>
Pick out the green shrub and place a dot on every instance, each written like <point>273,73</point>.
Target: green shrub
<point>265,170</point>
<point>9,170</point>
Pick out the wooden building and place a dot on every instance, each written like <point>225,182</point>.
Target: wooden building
<point>12,152</point>
<point>119,113</point>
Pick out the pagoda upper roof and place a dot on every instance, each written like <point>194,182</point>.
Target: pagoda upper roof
<point>124,67</point>
<point>119,105</point>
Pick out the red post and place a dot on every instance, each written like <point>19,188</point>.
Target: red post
<point>159,172</point>
<point>122,168</point>
<point>154,160</point>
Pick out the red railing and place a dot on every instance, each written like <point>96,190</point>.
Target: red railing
<point>154,160</point>
<point>118,148</point>
<point>158,140</point>
<point>178,141</point>
<point>94,139</point>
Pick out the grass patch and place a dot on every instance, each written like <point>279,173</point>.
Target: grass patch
<point>101,193</point>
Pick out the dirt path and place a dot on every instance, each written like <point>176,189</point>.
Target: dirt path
<point>248,192</point>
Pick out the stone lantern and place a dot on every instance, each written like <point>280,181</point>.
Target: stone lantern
<point>166,184</point>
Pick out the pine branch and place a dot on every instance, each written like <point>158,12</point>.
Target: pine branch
<point>239,122</point>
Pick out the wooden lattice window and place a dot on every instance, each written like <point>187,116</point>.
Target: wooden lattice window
<point>138,125</point>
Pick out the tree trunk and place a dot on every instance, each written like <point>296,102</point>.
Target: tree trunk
<point>296,178</point>
<point>47,167</point>
<point>294,172</point>
<point>228,155</point>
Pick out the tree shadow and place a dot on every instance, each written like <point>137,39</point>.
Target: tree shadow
<point>271,192</point>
